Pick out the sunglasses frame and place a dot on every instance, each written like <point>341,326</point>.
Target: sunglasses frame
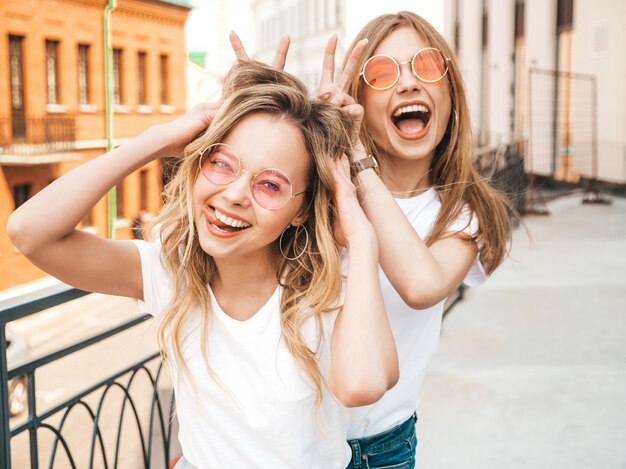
<point>242,170</point>
<point>398,64</point>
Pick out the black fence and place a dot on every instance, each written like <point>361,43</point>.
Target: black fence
<point>503,166</point>
<point>153,437</point>
<point>34,136</point>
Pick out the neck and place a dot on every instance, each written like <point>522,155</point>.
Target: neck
<point>406,177</point>
<point>245,271</point>
<point>246,276</point>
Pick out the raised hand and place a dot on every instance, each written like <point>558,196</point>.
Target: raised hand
<point>186,128</point>
<point>337,92</point>
<point>281,51</point>
<point>352,224</point>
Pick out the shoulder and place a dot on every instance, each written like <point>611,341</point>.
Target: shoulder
<point>150,254</point>
<point>156,281</point>
<point>466,222</point>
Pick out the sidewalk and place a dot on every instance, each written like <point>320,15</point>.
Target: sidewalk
<point>531,369</point>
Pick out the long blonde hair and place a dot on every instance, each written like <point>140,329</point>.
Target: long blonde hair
<point>453,174</point>
<point>312,283</point>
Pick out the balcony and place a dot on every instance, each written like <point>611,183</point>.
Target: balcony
<point>112,403</point>
<point>37,140</point>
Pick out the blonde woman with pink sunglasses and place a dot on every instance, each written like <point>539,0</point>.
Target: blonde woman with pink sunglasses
<point>266,343</point>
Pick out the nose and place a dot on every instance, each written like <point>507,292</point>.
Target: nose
<point>407,81</point>
<point>238,192</point>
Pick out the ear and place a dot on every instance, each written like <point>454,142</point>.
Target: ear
<point>299,219</point>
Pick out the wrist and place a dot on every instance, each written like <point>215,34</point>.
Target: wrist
<point>150,145</point>
<point>364,164</point>
<point>160,142</point>
<point>359,152</point>
<point>363,242</point>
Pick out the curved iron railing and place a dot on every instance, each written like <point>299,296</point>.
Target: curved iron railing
<point>36,422</point>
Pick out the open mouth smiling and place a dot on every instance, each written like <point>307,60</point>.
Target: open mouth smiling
<point>412,120</point>
<point>225,223</point>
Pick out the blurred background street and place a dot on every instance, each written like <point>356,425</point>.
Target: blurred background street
<point>531,368</point>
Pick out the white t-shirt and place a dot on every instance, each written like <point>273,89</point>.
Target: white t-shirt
<point>416,332</point>
<point>262,414</point>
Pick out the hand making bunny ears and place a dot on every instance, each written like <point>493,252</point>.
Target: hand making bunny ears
<point>337,92</point>
<point>281,51</point>
<point>196,121</point>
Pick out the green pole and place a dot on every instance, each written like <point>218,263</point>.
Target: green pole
<point>108,84</point>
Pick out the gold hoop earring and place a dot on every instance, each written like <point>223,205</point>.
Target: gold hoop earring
<point>295,237</point>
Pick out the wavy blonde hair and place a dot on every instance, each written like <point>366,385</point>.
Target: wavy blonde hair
<point>312,283</point>
<point>453,173</point>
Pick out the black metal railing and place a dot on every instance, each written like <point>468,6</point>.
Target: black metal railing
<point>502,164</point>
<point>55,418</point>
<point>37,135</point>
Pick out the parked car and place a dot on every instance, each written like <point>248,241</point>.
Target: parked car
<point>17,352</point>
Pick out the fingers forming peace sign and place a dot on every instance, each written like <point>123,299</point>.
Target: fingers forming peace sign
<point>281,51</point>
<point>327,84</point>
<point>337,93</point>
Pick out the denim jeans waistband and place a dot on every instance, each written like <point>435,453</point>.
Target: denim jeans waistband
<point>387,437</point>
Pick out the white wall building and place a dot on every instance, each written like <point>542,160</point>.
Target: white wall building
<point>310,23</point>
<point>499,41</point>
<point>202,85</point>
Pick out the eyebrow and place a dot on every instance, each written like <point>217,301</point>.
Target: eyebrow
<point>278,173</point>
<point>274,171</point>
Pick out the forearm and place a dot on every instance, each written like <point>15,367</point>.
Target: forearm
<point>364,358</point>
<point>56,210</point>
<point>405,258</point>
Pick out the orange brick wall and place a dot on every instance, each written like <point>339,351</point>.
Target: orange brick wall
<point>136,25</point>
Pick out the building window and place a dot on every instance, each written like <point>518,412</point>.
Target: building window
<point>565,15</point>
<point>164,72</point>
<point>18,119</point>
<point>119,199</point>
<point>117,77</point>
<point>52,71</point>
<point>87,219</point>
<point>143,190</point>
<point>321,16</point>
<point>21,193</point>
<point>141,78</point>
<point>331,14</point>
<point>485,38</point>
<point>519,19</point>
<point>311,17</point>
<point>83,74</point>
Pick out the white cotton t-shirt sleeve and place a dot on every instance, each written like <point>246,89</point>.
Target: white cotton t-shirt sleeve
<point>467,223</point>
<point>156,282</point>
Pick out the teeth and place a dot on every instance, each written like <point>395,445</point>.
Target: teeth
<point>229,221</point>
<point>412,108</point>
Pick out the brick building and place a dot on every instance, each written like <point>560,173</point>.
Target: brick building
<point>52,101</point>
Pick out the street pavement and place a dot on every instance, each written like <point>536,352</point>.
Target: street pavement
<point>531,368</point>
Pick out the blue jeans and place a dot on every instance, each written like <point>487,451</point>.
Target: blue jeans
<point>393,449</point>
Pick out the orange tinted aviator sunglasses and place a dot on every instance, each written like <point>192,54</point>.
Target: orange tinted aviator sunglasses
<point>381,71</point>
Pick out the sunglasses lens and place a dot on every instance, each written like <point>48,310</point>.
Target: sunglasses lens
<point>430,65</point>
<point>380,72</point>
<point>220,164</point>
<point>271,189</point>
